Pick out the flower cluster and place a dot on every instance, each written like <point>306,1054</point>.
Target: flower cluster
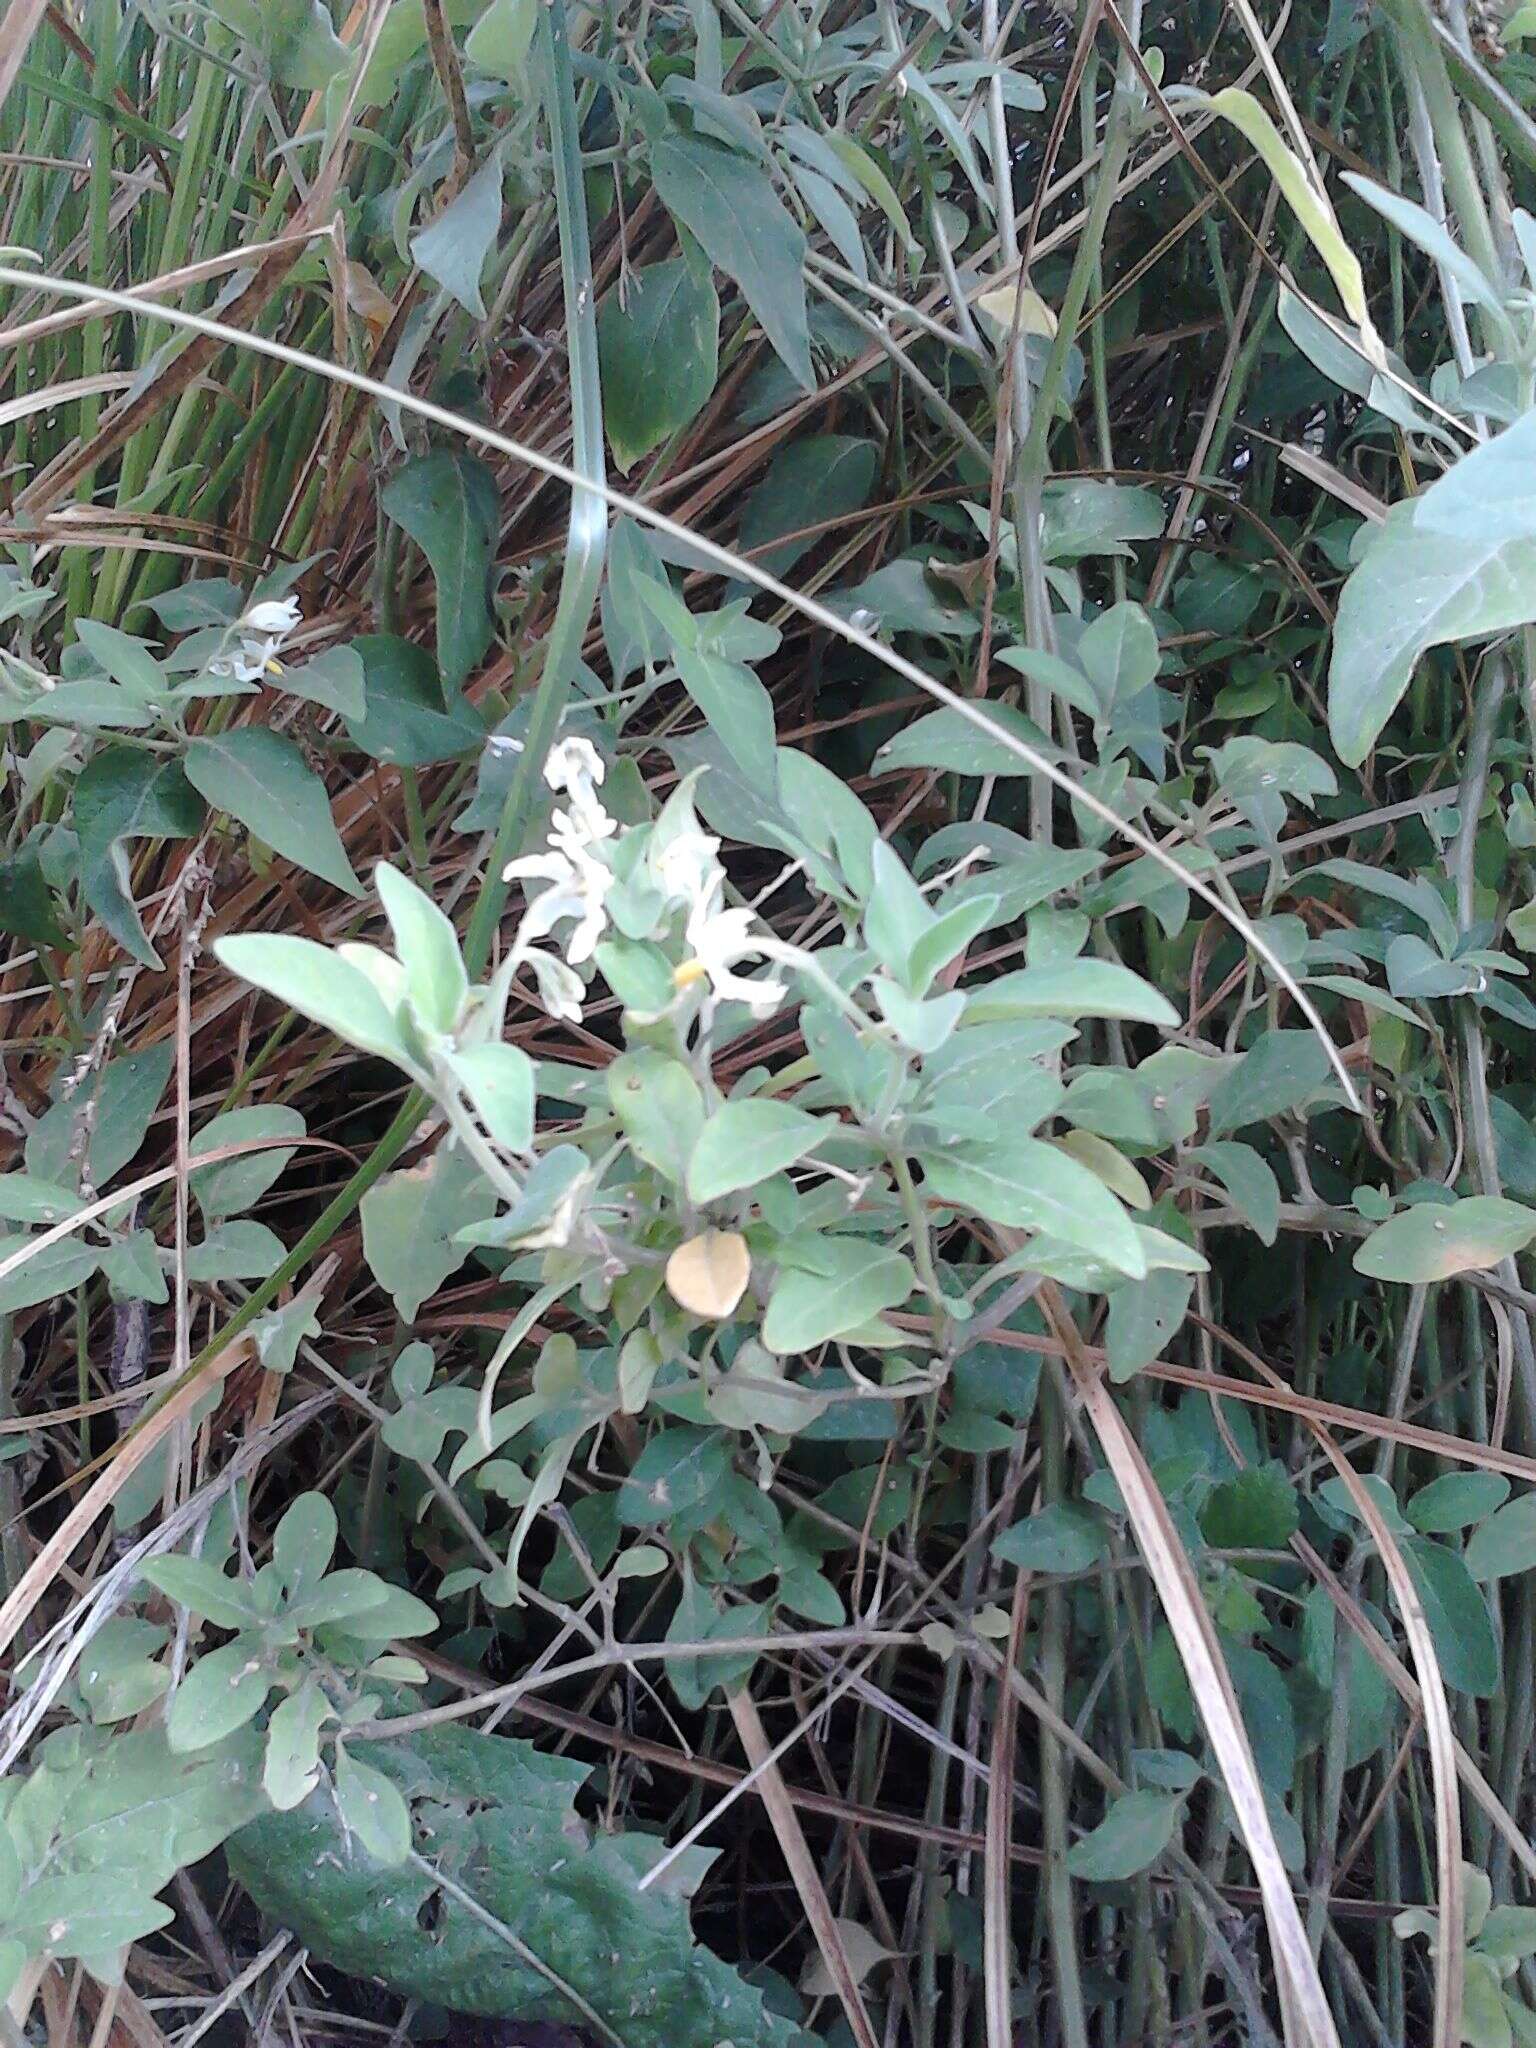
<point>683,867</point>
<point>262,631</point>
<point>578,876</point>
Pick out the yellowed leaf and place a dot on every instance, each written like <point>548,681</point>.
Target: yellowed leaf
<point>708,1275</point>
<point>1109,1164</point>
<point>862,1950</point>
<point>1035,316</point>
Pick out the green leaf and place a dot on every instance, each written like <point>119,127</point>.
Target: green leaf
<point>1132,1835</point>
<point>659,355</point>
<point>1256,1510</point>
<point>106,1820</point>
<point>126,660</point>
<point>1064,1537</point>
<point>738,709</point>
<point>239,1184</point>
<point>124,1097</point>
<point>1119,652</point>
<point>1464,587</point>
<point>295,39</point>
<point>333,678</point>
<point>1505,1544</point>
<point>262,779</point>
<point>407,720</point>
<point>223,1690</point>
<point>1283,1071</point>
<point>658,1104</point>
<point>1434,1240</point>
<point>949,740</point>
<point>499,1081</point>
<point>857,1282</point>
<point>124,794</point>
<point>499,1817</point>
<point>1458,1617</point>
<point>238,1250</point>
<point>305,1542</point>
<point>680,1471</point>
<point>119,1677</point>
<point>501,39</point>
<point>58,1269</point>
<point>1142,1318</point>
<point>291,1769</point>
<point>989,1075</point>
<point>318,984</point>
<point>822,476</point>
<point>1509,1931</point>
<point>744,1142</point>
<point>1413,894</point>
<point>194,1583</point>
<point>632,629</point>
<point>731,207</point>
<point>1455,1500</point>
<point>427,948</point>
<point>449,505</point>
<point>1029,1185</point>
<point>372,1809</point>
<point>26,1199</point>
<point>26,901</point>
<point>133,1270</point>
<point>453,249</point>
<point>1072,988</point>
<point>411,1221</point>
<point>1248,1179</point>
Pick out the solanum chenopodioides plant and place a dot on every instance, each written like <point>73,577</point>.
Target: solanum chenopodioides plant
<point>736,1256</point>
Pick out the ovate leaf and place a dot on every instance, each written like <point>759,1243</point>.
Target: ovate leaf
<point>1434,1240</point>
<point>1132,1835</point>
<point>858,1282</point>
<point>449,505</point>
<point>659,351</point>
<point>730,205</point>
<point>1027,1185</point>
<point>499,1817</point>
<point>263,780</point>
<point>453,249</point>
<point>122,795</point>
<point>744,1142</point>
<point>1414,590</point>
<point>1457,1613</point>
<point>1505,1544</point>
<point>318,984</point>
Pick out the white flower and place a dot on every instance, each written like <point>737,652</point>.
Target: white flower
<point>576,766</point>
<point>717,939</point>
<point>579,879</point>
<point>579,886</point>
<point>561,988</point>
<point>262,630</point>
<point>573,761</point>
<point>686,869</point>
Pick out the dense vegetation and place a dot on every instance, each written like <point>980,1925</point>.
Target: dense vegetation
<point>768,1115</point>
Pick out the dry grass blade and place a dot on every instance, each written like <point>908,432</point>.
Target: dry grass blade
<point>802,1867</point>
<point>1449,1962</point>
<point>21,22</point>
<point>99,1496</point>
<point>1304,2002</point>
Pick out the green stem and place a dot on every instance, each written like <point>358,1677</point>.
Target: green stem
<point>588,532</point>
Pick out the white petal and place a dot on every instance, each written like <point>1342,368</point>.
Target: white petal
<point>277,616</point>
<point>573,761</point>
